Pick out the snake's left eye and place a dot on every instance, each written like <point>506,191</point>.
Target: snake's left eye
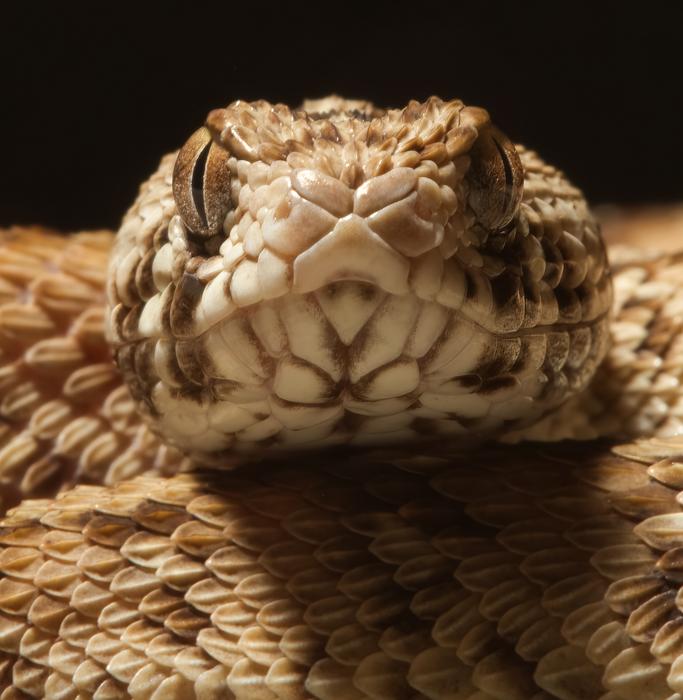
<point>201,184</point>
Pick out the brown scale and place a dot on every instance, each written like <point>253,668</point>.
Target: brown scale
<point>65,415</point>
<point>534,571</point>
<point>520,250</point>
<point>403,574</point>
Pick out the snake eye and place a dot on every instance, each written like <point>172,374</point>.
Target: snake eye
<point>201,184</point>
<point>496,179</point>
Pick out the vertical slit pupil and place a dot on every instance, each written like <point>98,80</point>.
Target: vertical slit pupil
<point>509,180</point>
<point>198,183</point>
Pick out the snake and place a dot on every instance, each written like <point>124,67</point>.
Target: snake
<point>357,404</point>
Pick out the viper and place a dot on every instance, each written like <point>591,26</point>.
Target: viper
<point>352,406</point>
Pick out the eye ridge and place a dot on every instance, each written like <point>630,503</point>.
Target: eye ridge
<point>197,184</point>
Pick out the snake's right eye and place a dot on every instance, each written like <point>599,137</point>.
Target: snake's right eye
<point>201,184</point>
<point>496,179</point>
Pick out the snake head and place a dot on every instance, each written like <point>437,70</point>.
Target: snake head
<point>433,175</point>
<point>339,273</point>
<point>492,186</point>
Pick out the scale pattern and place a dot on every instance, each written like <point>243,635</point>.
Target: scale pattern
<point>539,572</point>
<point>392,576</point>
<point>352,294</point>
<point>637,389</point>
<point>65,416</point>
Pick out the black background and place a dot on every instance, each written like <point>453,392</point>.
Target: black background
<point>92,98</point>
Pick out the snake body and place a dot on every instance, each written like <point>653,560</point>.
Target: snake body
<point>411,567</point>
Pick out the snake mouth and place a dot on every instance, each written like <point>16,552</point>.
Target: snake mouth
<point>538,330</point>
<point>304,362</point>
<point>365,288</point>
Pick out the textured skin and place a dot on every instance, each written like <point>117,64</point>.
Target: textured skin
<point>64,415</point>
<point>358,291</point>
<point>273,293</point>
<point>637,389</point>
<point>507,573</point>
<point>396,578</point>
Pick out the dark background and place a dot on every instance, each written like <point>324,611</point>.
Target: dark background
<point>90,99</point>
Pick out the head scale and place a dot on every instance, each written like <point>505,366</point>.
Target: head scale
<point>493,182</point>
<point>344,274</point>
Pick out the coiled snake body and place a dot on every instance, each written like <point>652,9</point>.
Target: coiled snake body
<point>391,286</point>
